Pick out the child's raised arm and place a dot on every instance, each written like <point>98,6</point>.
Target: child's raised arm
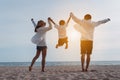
<point>33,22</point>
<point>68,19</point>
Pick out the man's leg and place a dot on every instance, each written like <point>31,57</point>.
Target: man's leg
<point>89,52</point>
<point>87,62</point>
<point>83,52</point>
<point>82,61</point>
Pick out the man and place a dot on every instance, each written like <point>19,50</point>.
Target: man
<point>86,28</point>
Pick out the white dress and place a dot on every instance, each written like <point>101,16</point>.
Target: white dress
<point>40,37</point>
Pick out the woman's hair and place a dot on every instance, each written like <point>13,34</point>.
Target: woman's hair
<point>87,17</point>
<point>39,24</point>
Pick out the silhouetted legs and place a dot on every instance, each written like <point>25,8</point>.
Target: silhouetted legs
<point>36,57</point>
<point>43,58</point>
<point>62,41</point>
<point>66,45</point>
<point>83,62</point>
<point>87,62</point>
<point>86,51</point>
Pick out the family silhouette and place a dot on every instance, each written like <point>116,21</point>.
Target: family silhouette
<point>86,28</point>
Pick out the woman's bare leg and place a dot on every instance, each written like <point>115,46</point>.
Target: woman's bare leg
<point>34,59</point>
<point>44,51</point>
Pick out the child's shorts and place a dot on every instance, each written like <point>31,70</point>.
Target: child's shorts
<point>86,46</point>
<point>41,47</point>
<point>61,41</point>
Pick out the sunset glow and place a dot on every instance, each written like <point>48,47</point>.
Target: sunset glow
<point>17,29</point>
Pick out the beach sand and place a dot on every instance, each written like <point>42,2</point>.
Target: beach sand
<point>95,72</point>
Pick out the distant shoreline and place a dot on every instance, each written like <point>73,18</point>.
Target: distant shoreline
<point>59,63</point>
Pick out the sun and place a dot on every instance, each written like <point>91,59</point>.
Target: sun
<point>73,35</point>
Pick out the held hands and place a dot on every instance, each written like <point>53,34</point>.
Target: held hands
<point>71,14</point>
<point>108,19</point>
<point>31,19</point>
<point>50,25</point>
<point>49,18</point>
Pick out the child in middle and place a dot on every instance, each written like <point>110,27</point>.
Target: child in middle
<point>63,39</point>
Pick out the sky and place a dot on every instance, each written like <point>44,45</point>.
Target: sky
<point>16,29</point>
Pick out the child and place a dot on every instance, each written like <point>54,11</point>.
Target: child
<point>86,27</point>
<point>63,39</point>
<point>39,40</point>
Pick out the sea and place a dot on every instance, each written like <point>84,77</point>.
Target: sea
<point>59,63</point>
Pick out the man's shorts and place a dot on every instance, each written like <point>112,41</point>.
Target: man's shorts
<point>86,46</point>
<point>41,47</point>
<point>61,41</point>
